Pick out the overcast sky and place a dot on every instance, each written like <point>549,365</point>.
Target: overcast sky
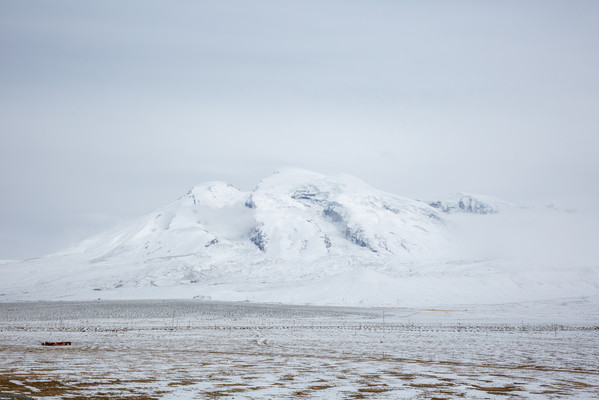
<point>110,109</point>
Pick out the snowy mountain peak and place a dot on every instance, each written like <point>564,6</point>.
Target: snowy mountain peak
<point>216,194</point>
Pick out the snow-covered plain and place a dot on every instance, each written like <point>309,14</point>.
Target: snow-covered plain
<point>304,238</point>
<point>198,350</point>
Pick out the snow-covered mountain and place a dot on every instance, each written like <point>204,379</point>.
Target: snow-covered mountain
<point>298,237</point>
<point>291,216</point>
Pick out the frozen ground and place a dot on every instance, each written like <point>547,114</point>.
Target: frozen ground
<point>196,350</point>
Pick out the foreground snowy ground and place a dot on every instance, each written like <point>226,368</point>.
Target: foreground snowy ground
<point>196,350</point>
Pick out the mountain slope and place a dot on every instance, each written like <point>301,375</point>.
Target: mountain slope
<point>305,214</point>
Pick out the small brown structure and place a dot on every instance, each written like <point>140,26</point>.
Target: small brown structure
<point>56,343</point>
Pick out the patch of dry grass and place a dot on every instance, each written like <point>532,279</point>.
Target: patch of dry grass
<point>507,389</point>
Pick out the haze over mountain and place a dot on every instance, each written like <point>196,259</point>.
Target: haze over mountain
<point>303,237</point>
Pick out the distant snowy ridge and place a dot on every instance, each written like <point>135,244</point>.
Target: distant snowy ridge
<point>303,237</point>
<point>472,203</point>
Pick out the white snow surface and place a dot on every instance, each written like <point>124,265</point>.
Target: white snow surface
<point>305,238</point>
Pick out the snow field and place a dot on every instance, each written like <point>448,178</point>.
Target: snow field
<point>197,350</point>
